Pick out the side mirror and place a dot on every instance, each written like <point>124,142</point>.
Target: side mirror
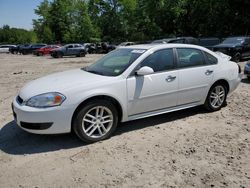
<point>144,71</point>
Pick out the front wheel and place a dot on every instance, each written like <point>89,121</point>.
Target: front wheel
<point>96,121</point>
<point>216,97</point>
<point>59,54</point>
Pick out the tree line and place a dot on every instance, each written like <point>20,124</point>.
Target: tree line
<point>16,36</point>
<point>139,20</point>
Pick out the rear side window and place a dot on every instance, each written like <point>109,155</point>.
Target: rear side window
<point>188,57</point>
<point>161,60</point>
<point>211,60</point>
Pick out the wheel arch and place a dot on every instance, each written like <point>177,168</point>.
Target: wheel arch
<point>103,97</point>
<point>224,82</point>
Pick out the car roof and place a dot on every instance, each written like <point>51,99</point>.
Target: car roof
<point>7,45</point>
<point>72,44</point>
<point>156,46</point>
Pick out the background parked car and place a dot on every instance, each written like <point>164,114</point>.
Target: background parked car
<point>30,49</point>
<point>236,47</point>
<point>14,49</point>
<point>127,43</point>
<point>181,40</point>
<point>209,42</point>
<point>5,48</point>
<point>106,47</point>
<point>45,50</point>
<point>69,50</point>
<point>247,70</point>
<point>92,48</point>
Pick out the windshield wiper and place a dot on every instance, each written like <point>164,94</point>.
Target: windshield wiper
<point>92,71</point>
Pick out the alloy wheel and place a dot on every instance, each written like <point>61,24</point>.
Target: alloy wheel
<point>97,122</point>
<point>217,96</point>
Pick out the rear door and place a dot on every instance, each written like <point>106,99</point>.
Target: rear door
<point>195,75</point>
<point>155,91</point>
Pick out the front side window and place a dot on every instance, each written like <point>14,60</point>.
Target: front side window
<point>115,62</point>
<point>161,60</point>
<point>188,57</point>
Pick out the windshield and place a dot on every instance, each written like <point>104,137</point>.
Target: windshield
<point>233,40</point>
<point>115,62</point>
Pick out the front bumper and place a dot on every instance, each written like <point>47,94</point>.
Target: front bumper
<point>54,120</point>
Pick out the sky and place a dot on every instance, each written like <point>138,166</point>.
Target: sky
<point>18,13</point>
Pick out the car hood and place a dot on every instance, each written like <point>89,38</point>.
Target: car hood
<point>60,82</point>
<point>226,45</point>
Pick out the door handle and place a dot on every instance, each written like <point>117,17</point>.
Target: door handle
<point>170,78</point>
<point>208,72</point>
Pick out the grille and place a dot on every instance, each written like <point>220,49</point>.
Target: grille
<point>19,100</point>
<point>36,126</point>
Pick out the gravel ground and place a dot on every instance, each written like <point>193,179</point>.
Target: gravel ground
<point>188,148</point>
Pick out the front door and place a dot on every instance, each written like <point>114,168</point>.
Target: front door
<point>155,91</point>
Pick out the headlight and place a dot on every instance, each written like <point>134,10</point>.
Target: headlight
<point>46,100</point>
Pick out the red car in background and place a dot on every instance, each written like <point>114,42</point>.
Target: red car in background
<point>45,50</point>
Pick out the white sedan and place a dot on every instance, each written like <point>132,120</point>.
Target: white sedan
<point>5,48</point>
<point>127,84</point>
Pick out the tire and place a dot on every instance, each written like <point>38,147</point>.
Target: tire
<point>89,127</point>
<point>248,77</point>
<point>82,54</point>
<point>53,55</point>
<point>213,95</point>
<point>59,54</point>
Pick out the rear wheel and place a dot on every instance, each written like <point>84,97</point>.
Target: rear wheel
<point>82,54</point>
<point>216,97</point>
<point>96,121</point>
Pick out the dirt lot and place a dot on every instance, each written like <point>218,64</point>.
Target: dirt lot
<point>188,148</point>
